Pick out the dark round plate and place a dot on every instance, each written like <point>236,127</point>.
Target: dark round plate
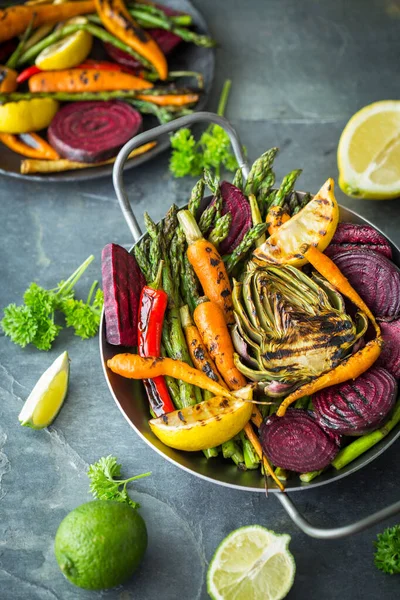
<point>187,57</point>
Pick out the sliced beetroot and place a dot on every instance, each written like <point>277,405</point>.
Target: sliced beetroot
<point>297,442</point>
<point>93,131</point>
<point>390,355</point>
<point>359,406</point>
<point>166,40</point>
<point>375,278</point>
<point>350,235</point>
<point>236,203</point>
<point>122,283</point>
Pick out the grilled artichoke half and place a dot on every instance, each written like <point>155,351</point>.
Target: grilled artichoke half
<point>289,327</point>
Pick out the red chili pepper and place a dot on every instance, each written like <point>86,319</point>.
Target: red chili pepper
<point>152,305</point>
<point>27,73</point>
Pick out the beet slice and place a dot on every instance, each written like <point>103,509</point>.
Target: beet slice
<point>93,131</point>
<point>375,278</point>
<point>389,358</point>
<point>166,40</point>
<point>297,442</point>
<point>351,236</point>
<point>359,406</point>
<point>122,283</point>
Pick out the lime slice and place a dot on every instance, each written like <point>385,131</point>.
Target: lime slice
<point>67,53</point>
<point>369,152</point>
<point>48,395</point>
<point>251,562</point>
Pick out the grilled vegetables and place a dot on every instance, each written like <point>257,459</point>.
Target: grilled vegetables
<point>290,328</point>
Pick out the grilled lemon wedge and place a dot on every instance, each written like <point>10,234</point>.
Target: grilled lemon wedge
<point>204,425</point>
<point>314,225</point>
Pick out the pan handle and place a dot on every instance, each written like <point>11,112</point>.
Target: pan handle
<point>337,532</point>
<point>153,134</point>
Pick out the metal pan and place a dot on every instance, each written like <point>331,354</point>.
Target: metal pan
<point>131,399</point>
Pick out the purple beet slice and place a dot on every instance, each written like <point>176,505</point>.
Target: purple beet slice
<point>389,358</point>
<point>374,277</point>
<point>122,283</point>
<point>351,236</point>
<point>297,442</point>
<point>166,40</point>
<point>90,132</point>
<point>359,406</point>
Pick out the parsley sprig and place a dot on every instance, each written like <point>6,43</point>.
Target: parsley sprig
<point>212,151</point>
<point>34,321</point>
<point>105,482</point>
<point>387,555</point>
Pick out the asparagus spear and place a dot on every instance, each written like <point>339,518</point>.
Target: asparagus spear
<point>210,452</point>
<point>251,458</point>
<point>286,187</point>
<point>302,402</point>
<point>232,450</point>
<point>238,179</point>
<point>96,31</point>
<point>170,223</point>
<point>307,477</point>
<point>259,169</point>
<point>367,441</point>
<point>220,230</point>
<point>256,217</point>
<point>248,241</point>
<point>189,283</point>
<point>143,261</point>
<point>207,218</point>
<point>211,181</point>
<point>196,197</point>
<point>281,474</point>
<point>302,203</point>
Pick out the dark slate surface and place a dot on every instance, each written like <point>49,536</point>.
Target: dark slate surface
<point>300,69</point>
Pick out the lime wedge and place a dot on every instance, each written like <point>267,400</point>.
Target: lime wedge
<point>48,395</point>
<point>251,562</point>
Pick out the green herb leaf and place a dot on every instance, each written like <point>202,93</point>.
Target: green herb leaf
<point>19,324</point>
<point>105,483</point>
<point>387,555</point>
<point>84,318</point>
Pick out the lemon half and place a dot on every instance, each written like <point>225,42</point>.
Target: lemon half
<point>67,53</point>
<point>369,152</point>
<point>204,425</point>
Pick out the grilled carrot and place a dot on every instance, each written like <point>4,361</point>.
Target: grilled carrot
<point>39,149</point>
<point>198,352</point>
<point>214,332</point>
<point>8,80</point>
<point>324,265</point>
<point>85,80</point>
<point>170,99</point>
<point>208,266</point>
<point>117,20</point>
<point>134,366</point>
<point>14,20</point>
<point>275,218</point>
<point>349,368</point>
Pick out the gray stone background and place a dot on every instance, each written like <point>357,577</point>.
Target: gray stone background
<point>299,70</point>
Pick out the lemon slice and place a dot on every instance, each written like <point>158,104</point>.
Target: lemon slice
<point>48,395</point>
<point>251,562</point>
<point>67,53</point>
<point>369,152</point>
<point>204,425</point>
<point>314,225</point>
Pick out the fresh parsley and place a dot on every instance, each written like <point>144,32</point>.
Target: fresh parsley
<point>33,321</point>
<point>213,150</point>
<point>387,555</point>
<point>105,482</point>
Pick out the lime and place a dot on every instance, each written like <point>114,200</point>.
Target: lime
<point>67,53</point>
<point>100,544</point>
<point>48,395</point>
<point>251,562</point>
<point>369,152</point>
